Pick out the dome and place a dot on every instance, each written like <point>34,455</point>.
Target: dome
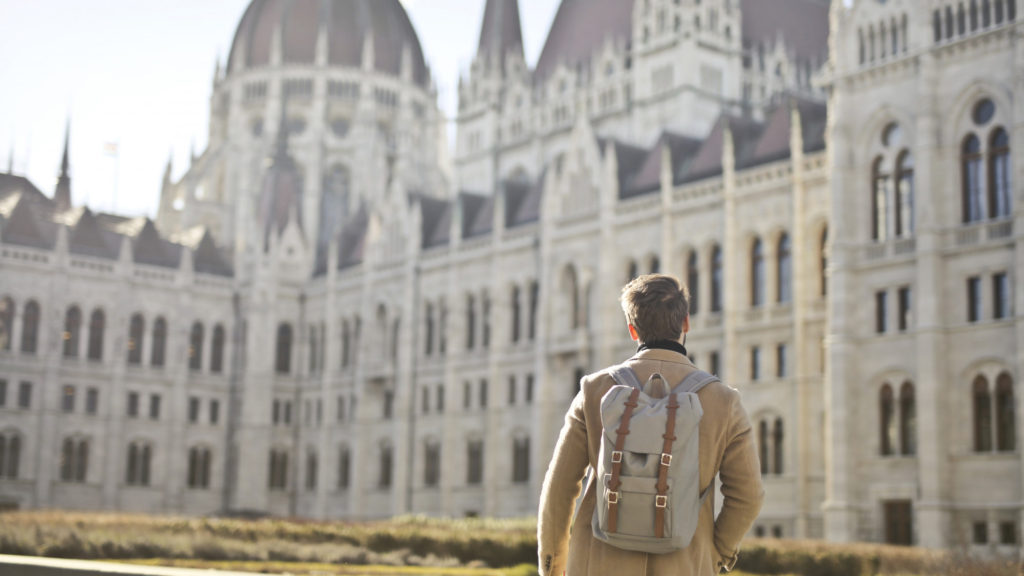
<point>346,22</point>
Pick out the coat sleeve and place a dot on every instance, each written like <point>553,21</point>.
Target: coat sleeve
<point>742,490</point>
<point>562,485</point>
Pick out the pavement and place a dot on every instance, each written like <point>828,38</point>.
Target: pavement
<point>37,566</point>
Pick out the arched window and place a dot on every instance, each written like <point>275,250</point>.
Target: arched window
<point>716,278</point>
<point>74,460</point>
<point>67,458</point>
<point>199,468</point>
<point>344,468</point>
<point>137,469</point>
<point>999,191</point>
<point>217,350</point>
<point>470,321</point>
<point>283,356</point>
<point>6,323</point>
<point>521,459</point>
<point>908,420</point>
<point>570,287</point>
<point>949,22</point>
<point>887,421</point>
<point>860,46</point>
<point>937,26</point>
<point>10,455</point>
<point>982,415</point>
<point>81,460</point>
<point>871,43</point>
<point>72,330</point>
<point>879,201</point>
<point>396,334</point>
<point>904,195</point>
<point>313,349</point>
<point>823,271</point>
<point>384,470</point>
<point>516,313</point>
<point>346,343</point>
<point>30,327</point>
<point>882,40</point>
<point>894,33</point>
<point>312,468</point>
<point>1011,9</point>
<point>135,328</point>
<point>986,14</point>
<point>195,347</point>
<point>785,270</point>
<point>762,444</point>
<point>777,447</point>
<point>974,15</point>
<point>632,270</point>
<point>485,324</point>
<point>96,323</point>
<point>655,265</point>
<point>757,273</point>
<point>999,11</point>
<point>159,351</point>
<point>972,195</point>
<point>693,280</point>
<point>278,477</point>
<point>428,329</point>
<point>961,20</point>
<point>1006,431</point>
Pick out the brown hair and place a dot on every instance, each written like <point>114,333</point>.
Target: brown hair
<point>657,306</point>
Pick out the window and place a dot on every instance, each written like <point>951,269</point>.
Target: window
<point>287,417</point>
<point>278,477</point>
<point>3,393</point>
<point>193,409</point>
<point>474,462</point>
<point>1001,296</point>
<point>283,358</point>
<point>904,217</point>
<point>521,460</point>
<point>777,444</point>
<point>96,323</point>
<point>312,465</point>
<point>974,299</point>
<point>428,329</point>
<point>693,280</point>
<point>785,270</point>
<point>431,464</point>
<point>903,321</point>
<point>1005,430</point>
<point>483,394</point>
<point>1008,533</point>
<point>979,533</point>
<point>982,415</point>
<point>899,520</point>
<point>755,363</point>
<point>384,472</point>
<point>908,420</point>
<point>30,327</point>
<point>880,195</point>
<point>881,312</point>
<point>137,470</point>
<point>72,328</point>
<point>515,314</point>
<point>135,327</point>
<point>511,390</point>
<point>67,399</point>
<point>25,395</point>
<point>217,351</point>
<point>157,354</point>
<point>6,323</point>
<point>528,394</point>
<point>466,395</point>
<point>313,349</point>
<point>570,288</point>
<point>92,400</point>
<point>10,455</point>
<point>344,468</point>
<point>887,421</point>
<point>198,468</point>
<point>757,274</point>
<point>534,304</point>
<point>214,411</point>
<point>154,406</point>
<point>485,336</point>
<point>972,196</point>
<point>389,404</point>
<point>425,399</point>
<point>133,405</point>
<point>440,398</point>
<point>74,460</point>
<point>823,271</point>
<point>275,412</point>
<point>781,368</point>
<point>999,170</point>
<point>716,279</point>
<point>713,363</point>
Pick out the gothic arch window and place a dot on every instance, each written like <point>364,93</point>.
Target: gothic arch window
<point>999,168</point>
<point>346,343</point>
<point>428,336</point>
<point>757,273</point>
<point>982,415</point>
<point>784,275</point>
<point>716,278</point>
<point>516,313</point>
<point>860,46</point>
<point>949,22</point>
<point>763,446</point>
<point>6,323</point>
<point>879,200</point>
<point>97,321</point>
<point>470,321</point>
<point>887,421</point>
<point>986,14</point>
<point>10,454</point>
<point>312,469</point>
<point>883,39</point>
<point>970,163</point>
<point>1005,418</point>
<point>384,466</point>
<point>485,313</point>
<point>159,352</point>
<point>30,327</point>
<point>570,288</point>
<point>283,356</point>
<point>999,11</point>
<point>823,270</point>
<point>74,460</point>
<point>521,459</point>
<point>72,331</point>
<point>431,463</point>
<point>894,33</point>
<point>217,350</point>
<point>632,270</point>
<point>654,264</point>
<point>904,217</point>
<point>693,280</point>
<point>138,465</point>
<point>777,447</point>
<point>314,348</point>
<point>937,26</point>
<point>344,467</point>
<point>195,347</point>
<point>277,479</point>
<point>908,420</point>
<point>198,468</point>
<point>136,325</point>
<point>974,15</point>
<point>396,335</point>
<point>871,43</point>
<point>961,20</point>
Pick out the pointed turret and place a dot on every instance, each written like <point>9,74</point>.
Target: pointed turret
<point>281,196</point>
<point>62,195</point>
<point>500,33</point>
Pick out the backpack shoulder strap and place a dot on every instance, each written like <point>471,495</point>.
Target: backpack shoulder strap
<point>625,376</point>
<point>695,381</point>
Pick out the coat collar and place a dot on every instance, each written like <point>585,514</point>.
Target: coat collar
<point>661,355</point>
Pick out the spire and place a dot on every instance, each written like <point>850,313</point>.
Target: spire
<point>500,32</point>
<point>281,142</point>
<point>62,195</point>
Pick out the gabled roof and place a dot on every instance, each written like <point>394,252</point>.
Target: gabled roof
<point>774,141</point>
<point>477,214</point>
<point>10,184</point>
<point>352,243</point>
<point>436,218</point>
<point>89,238</point>
<point>208,259</point>
<point>148,247</point>
<point>523,201</point>
<point>803,24</point>
<point>813,122</point>
<point>648,177</point>
<point>707,161</point>
<point>580,27</point>
<point>25,223</point>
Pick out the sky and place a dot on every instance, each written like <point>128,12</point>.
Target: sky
<point>138,74</point>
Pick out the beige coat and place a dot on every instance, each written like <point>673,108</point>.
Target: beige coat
<point>726,448</point>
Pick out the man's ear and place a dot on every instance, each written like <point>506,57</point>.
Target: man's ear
<point>632,333</point>
<point>686,324</point>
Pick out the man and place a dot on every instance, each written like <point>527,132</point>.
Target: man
<point>656,308</point>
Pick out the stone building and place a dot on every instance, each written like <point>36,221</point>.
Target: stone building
<point>330,318</point>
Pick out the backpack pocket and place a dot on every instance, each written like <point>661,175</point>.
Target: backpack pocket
<point>636,506</point>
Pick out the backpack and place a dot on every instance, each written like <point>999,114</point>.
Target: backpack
<point>648,470</point>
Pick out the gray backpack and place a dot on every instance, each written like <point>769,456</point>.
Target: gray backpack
<point>648,471</point>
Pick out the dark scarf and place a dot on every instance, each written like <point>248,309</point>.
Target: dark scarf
<point>662,345</point>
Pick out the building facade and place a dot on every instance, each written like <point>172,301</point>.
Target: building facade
<point>330,318</point>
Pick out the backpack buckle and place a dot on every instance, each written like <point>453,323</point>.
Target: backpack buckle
<point>666,459</point>
<point>612,497</point>
<point>661,501</point>
<point>616,456</point>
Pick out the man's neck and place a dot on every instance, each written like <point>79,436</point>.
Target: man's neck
<point>672,345</point>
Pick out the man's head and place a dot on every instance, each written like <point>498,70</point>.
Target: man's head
<point>657,307</point>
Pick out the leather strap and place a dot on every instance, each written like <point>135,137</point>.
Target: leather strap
<point>661,500</point>
<point>620,442</point>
